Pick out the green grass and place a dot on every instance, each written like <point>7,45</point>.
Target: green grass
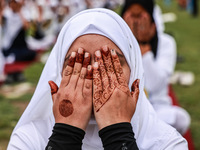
<point>186,31</point>
<point>10,112</point>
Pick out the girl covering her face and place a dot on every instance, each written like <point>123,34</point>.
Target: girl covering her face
<point>35,126</point>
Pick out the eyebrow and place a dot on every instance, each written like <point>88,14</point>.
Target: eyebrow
<point>120,55</point>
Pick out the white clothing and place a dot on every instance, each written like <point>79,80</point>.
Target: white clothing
<point>158,70</point>
<point>157,74</point>
<point>157,15</point>
<point>36,124</point>
<point>11,28</point>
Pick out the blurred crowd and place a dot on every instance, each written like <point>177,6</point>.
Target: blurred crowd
<point>29,26</point>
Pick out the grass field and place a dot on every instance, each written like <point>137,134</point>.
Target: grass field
<point>186,31</point>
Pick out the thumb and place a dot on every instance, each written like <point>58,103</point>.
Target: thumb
<point>135,89</point>
<point>54,89</point>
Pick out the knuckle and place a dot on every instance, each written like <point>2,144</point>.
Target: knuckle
<point>67,72</point>
<point>82,76</point>
<point>76,72</point>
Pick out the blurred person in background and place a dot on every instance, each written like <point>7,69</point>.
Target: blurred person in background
<point>14,27</point>
<point>15,24</point>
<point>190,5</point>
<point>42,27</point>
<point>159,58</point>
<point>2,59</point>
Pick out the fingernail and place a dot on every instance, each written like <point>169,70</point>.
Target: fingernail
<point>98,53</point>
<point>89,73</point>
<point>113,52</point>
<point>105,50</point>
<point>80,50</point>
<point>79,57</point>
<point>73,54</point>
<point>86,60</point>
<point>89,67</point>
<point>72,59</point>
<point>86,54</point>
<point>96,65</point>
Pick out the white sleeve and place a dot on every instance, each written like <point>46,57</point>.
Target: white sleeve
<point>158,71</point>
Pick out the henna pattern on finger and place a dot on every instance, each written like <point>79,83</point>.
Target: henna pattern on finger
<point>109,67</point>
<point>66,108</point>
<point>101,79</point>
<point>102,69</point>
<point>86,60</point>
<point>80,56</point>
<point>115,76</point>
<point>123,86</point>
<point>72,59</point>
<point>97,86</point>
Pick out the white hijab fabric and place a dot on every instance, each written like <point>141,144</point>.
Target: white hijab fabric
<point>150,132</point>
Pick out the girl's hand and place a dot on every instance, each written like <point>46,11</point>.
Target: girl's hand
<point>72,102</point>
<point>112,100</point>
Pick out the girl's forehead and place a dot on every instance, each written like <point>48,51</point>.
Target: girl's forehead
<point>91,43</point>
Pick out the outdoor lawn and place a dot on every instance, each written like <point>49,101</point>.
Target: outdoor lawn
<point>185,30</point>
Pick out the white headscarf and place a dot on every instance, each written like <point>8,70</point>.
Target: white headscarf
<point>150,132</point>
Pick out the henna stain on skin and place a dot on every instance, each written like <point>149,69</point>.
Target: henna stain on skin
<point>66,108</point>
<point>71,60</point>
<point>89,73</point>
<point>54,87</point>
<point>135,88</point>
<point>80,56</point>
<point>86,60</point>
<point>110,75</point>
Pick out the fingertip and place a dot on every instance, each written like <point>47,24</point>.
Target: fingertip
<point>137,83</point>
<point>72,59</point>
<point>86,60</point>
<point>53,86</point>
<point>105,50</point>
<point>95,65</point>
<point>113,52</point>
<point>80,55</point>
<point>89,73</point>
<point>97,55</point>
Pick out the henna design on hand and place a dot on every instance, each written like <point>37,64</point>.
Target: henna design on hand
<point>106,77</point>
<point>66,108</point>
<point>123,86</point>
